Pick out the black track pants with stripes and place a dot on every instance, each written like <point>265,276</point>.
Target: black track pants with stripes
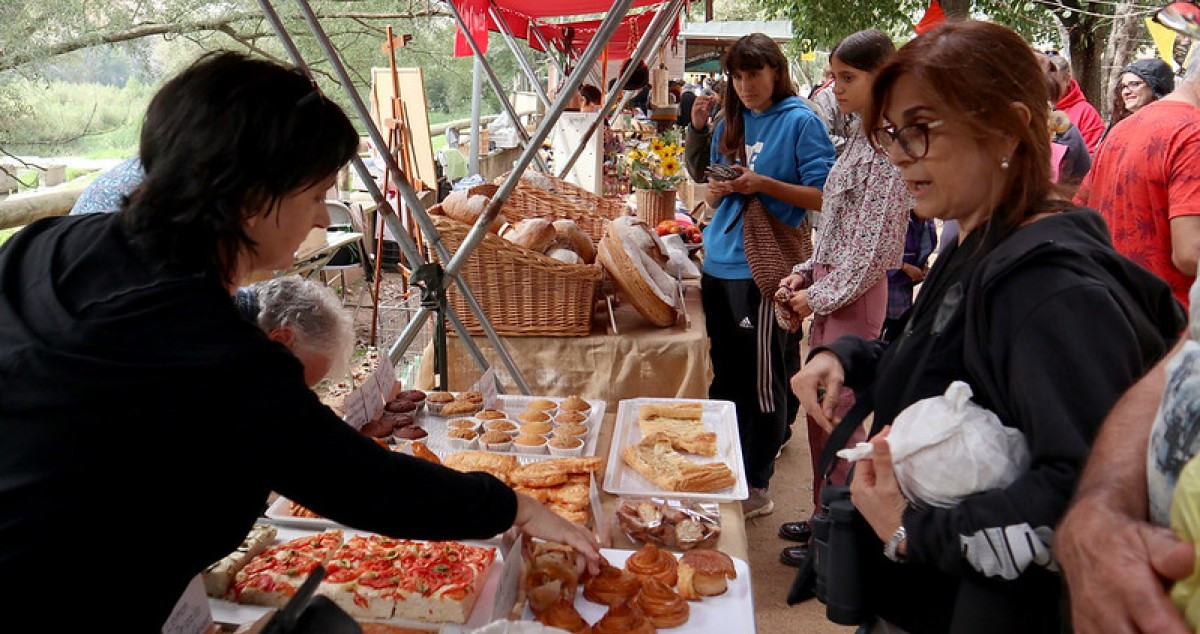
<point>753,361</point>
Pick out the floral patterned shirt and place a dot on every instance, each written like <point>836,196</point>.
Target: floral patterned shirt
<point>864,216</point>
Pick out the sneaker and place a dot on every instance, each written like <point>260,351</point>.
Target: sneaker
<point>758,504</point>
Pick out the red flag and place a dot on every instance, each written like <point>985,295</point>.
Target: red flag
<point>933,17</point>
<point>474,13</point>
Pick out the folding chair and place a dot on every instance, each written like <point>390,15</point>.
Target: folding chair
<point>351,256</point>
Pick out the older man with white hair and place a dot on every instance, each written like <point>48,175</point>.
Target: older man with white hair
<point>307,318</point>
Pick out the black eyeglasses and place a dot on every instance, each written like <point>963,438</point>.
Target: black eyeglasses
<point>913,138</point>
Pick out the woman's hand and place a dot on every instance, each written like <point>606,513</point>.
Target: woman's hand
<point>538,521</point>
<point>701,109</point>
<point>799,304</point>
<point>748,182</point>
<point>914,273</point>
<point>823,371</point>
<point>795,282</point>
<point>875,492</point>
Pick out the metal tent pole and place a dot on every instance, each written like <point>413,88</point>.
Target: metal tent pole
<point>612,20</point>
<point>476,107</point>
<point>549,50</point>
<point>407,246</point>
<point>522,61</point>
<point>656,35</point>
<point>495,81</point>
<point>410,198</point>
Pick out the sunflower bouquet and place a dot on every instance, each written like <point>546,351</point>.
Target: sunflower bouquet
<point>656,163</point>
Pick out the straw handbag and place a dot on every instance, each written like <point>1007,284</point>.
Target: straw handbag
<point>772,247</point>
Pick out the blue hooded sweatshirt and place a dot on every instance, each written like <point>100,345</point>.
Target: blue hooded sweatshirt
<point>786,142</point>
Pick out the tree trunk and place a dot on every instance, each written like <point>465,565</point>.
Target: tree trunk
<point>1122,42</point>
<point>1087,35</point>
<point>956,9</point>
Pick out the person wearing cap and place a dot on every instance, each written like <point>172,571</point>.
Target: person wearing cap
<point>1141,82</point>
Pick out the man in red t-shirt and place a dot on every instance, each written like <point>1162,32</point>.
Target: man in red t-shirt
<point>1145,181</point>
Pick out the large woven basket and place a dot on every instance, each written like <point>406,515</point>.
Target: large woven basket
<point>523,293</point>
<point>606,207</point>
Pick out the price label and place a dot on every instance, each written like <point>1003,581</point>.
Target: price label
<point>372,397</point>
<point>191,614</point>
<point>355,410</point>
<point>487,387</point>
<point>385,377</point>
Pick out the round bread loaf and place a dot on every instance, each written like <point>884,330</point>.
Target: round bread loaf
<point>571,235</point>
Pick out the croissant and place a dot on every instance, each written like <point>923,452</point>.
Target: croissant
<point>703,573</point>
<point>562,614</point>
<point>624,618</point>
<point>611,586</point>
<point>661,605</point>
<point>652,562</point>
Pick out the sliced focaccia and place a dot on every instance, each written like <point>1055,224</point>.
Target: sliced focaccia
<point>220,575</point>
<point>273,577</point>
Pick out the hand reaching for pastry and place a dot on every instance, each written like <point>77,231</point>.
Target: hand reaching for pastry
<point>538,521</point>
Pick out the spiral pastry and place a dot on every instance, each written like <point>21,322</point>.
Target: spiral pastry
<point>624,618</point>
<point>661,605</point>
<point>562,614</point>
<point>611,586</point>
<point>652,562</point>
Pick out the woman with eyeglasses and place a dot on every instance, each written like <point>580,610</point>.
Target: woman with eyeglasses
<point>864,216</point>
<point>1142,82</point>
<point>1032,308</point>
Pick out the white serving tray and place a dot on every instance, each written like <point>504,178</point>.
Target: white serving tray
<point>729,613</point>
<point>717,416</point>
<point>224,611</point>
<point>512,405</point>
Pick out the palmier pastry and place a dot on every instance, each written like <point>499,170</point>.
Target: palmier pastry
<point>563,615</point>
<point>611,586</point>
<point>703,573</point>
<point>400,407</point>
<point>661,604</point>
<point>624,618</point>
<point>652,562</point>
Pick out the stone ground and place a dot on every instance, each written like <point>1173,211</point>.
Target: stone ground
<point>791,492</point>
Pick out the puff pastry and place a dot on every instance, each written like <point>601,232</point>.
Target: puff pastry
<point>656,459</point>
<point>624,618</point>
<point>611,586</point>
<point>662,606</point>
<point>681,422</point>
<point>498,465</point>
<point>652,562</point>
<point>551,574</point>
<point>563,615</point>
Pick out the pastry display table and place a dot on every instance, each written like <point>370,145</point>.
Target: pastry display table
<point>639,361</point>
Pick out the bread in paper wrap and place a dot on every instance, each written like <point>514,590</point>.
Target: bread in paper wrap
<point>945,448</point>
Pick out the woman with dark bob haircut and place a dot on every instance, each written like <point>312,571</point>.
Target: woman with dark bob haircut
<point>782,153</point>
<point>136,400</point>
<point>1031,307</point>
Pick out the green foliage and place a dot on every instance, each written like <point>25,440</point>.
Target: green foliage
<point>61,118</point>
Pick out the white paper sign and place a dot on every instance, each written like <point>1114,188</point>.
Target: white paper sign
<point>385,376</point>
<point>191,614</point>
<point>355,409</point>
<point>487,387</point>
<point>372,398</point>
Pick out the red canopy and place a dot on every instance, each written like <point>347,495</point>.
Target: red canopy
<point>523,16</point>
<point>933,17</point>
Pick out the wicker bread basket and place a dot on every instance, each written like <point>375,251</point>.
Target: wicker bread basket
<point>523,293</point>
<point>604,207</point>
<point>616,260</point>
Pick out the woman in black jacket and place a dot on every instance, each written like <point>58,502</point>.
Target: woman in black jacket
<point>1032,308</point>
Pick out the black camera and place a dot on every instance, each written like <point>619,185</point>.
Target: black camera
<point>840,537</point>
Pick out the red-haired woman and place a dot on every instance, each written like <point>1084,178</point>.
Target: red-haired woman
<point>781,149</point>
<point>1032,308</point>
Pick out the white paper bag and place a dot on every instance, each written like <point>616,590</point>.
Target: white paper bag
<point>945,448</point>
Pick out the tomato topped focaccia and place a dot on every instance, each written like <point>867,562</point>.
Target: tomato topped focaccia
<point>273,577</point>
<point>380,577</point>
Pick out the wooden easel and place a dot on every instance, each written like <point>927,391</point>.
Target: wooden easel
<point>400,147</point>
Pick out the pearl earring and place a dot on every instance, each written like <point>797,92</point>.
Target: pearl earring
<point>1004,163</point>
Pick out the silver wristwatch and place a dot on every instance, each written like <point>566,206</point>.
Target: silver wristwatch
<point>893,544</point>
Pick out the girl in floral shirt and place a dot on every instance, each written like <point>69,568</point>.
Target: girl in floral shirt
<point>863,221</point>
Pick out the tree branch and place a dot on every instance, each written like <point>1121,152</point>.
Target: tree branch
<point>24,56</point>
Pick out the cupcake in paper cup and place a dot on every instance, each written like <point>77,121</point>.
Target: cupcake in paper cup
<point>496,441</point>
<point>504,426</point>
<point>566,446</point>
<point>569,417</point>
<point>463,423</point>
<point>575,404</point>
<point>435,401</point>
<point>462,439</point>
<point>530,444</point>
